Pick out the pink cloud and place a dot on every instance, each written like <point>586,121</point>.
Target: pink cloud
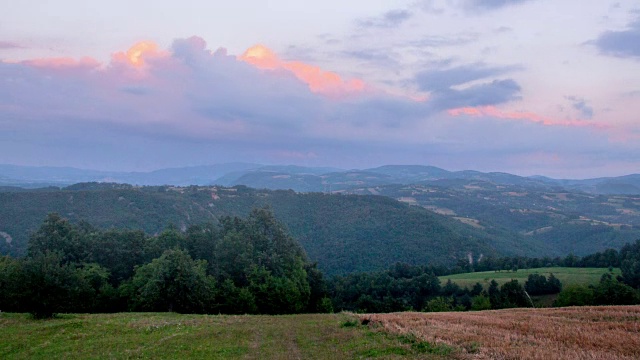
<point>138,55</point>
<point>318,80</point>
<point>63,63</point>
<point>492,111</point>
<point>10,45</point>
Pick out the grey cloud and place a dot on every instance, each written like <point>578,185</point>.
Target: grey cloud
<point>10,45</point>
<point>389,19</point>
<point>580,104</point>
<point>435,80</point>
<point>625,43</point>
<point>491,4</point>
<point>440,41</point>
<point>376,56</point>
<point>136,90</point>
<point>503,29</point>
<point>631,93</point>
<point>493,93</point>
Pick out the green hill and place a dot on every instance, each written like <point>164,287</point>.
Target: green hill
<point>343,233</point>
<point>567,276</point>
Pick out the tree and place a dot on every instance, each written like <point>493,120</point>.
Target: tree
<point>476,290</point>
<point>494,295</point>
<point>630,264</point>
<point>169,238</point>
<point>553,284</point>
<point>235,300</point>
<point>119,251</point>
<point>10,281</point>
<point>277,294</point>
<point>612,292</point>
<point>575,295</point>
<point>513,295</point>
<point>439,304</point>
<point>480,302</point>
<point>50,286</point>
<point>59,235</point>
<point>537,284</point>
<point>172,282</point>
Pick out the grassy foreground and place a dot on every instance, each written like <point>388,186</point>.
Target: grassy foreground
<point>174,336</point>
<point>566,275</point>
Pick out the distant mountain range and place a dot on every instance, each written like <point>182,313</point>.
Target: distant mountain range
<point>303,179</point>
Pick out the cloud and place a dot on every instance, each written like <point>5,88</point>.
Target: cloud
<point>633,93</point>
<point>379,57</point>
<point>389,19</point>
<point>442,41</point>
<point>469,85</point>
<point>63,63</point>
<point>580,104</point>
<point>10,45</point>
<point>434,80</point>
<point>491,4</point>
<point>493,112</point>
<point>492,93</point>
<point>325,82</point>
<point>624,44</point>
<point>150,107</point>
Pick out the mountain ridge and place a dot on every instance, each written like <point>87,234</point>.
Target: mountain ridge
<point>301,178</point>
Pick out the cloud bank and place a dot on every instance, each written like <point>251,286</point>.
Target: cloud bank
<point>186,105</point>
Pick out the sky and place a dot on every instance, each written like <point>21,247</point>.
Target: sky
<point>530,87</point>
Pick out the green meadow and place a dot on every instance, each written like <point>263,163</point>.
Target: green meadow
<point>566,275</point>
<point>175,336</point>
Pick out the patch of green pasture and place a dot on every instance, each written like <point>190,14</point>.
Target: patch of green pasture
<point>566,275</point>
<point>175,336</point>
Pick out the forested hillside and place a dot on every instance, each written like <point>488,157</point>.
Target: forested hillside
<point>343,233</point>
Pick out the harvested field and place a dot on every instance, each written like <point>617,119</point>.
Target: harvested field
<point>597,332</point>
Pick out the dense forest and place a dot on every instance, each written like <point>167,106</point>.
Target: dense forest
<point>333,229</point>
<point>247,265</point>
<point>253,265</point>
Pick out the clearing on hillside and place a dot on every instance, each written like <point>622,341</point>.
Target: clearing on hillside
<point>566,275</point>
<point>595,332</point>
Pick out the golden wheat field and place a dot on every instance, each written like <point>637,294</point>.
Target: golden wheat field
<point>595,332</point>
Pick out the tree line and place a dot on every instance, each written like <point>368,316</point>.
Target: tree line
<point>238,266</point>
<point>416,288</point>
<point>252,265</point>
<point>627,259</point>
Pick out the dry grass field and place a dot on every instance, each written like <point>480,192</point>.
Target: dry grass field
<point>602,332</point>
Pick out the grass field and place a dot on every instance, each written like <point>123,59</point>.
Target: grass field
<point>567,276</point>
<point>611,332</point>
<point>174,336</point>
<point>598,332</point>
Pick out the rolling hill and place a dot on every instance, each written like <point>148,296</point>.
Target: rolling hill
<point>343,233</point>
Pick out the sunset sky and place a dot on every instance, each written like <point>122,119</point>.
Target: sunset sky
<point>531,87</point>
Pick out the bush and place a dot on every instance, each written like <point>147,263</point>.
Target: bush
<point>480,302</point>
<point>575,295</point>
<point>172,282</point>
<point>439,304</point>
